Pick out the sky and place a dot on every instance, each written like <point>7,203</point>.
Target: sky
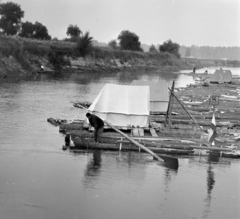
<point>186,22</point>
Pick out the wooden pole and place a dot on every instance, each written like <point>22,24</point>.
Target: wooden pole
<point>185,109</point>
<point>169,110</point>
<point>213,143</point>
<point>170,107</point>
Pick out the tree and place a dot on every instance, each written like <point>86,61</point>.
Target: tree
<point>73,31</point>
<point>113,44</point>
<point>34,31</point>
<point>11,15</point>
<point>153,49</point>
<point>129,41</point>
<point>84,44</point>
<point>27,30</point>
<point>41,32</point>
<point>170,47</point>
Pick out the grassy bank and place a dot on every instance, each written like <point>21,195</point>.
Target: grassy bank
<point>24,56</point>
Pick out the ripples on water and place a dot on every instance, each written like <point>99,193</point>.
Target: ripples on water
<point>39,180</point>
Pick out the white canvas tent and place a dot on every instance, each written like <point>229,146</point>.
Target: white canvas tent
<point>159,96</point>
<point>221,76</point>
<point>123,105</point>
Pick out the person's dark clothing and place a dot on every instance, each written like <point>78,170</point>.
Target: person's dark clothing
<point>194,69</point>
<point>98,125</point>
<point>98,135</point>
<point>95,121</point>
<point>67,140</point>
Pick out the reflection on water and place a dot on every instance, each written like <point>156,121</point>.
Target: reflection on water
<point>184,80</point>
<point>93,77</point>
<point>39,180</point>
<point>210,183</point>
<point>94,164</point>
<point>168,177</point>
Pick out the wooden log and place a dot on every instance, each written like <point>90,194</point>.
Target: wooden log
<point>82,143</point>
<point>179,133</point>
<point>182,111</point>
<point>188,143</point>
<point>191,147</point>
<point>219,117</point>
<point>161,150</point>
<point>113,137</point>
<point>53,121</point>
<point>202,122</point>
<point>198,109</point>
<point>133,141</point>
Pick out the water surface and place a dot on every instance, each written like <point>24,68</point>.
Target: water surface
<point>39,180</point>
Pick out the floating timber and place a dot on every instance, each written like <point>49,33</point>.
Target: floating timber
<point>182,130</point>
<point>156,145</point>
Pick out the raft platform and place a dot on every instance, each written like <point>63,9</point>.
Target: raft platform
<point>183,132</point>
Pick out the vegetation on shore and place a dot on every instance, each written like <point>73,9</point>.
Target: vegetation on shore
<point>24,56</point>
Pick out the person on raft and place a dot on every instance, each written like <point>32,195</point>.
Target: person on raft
<point>67,140</point>
<point>206,71</point>
<point>194,70</point>
<point>98,125</point>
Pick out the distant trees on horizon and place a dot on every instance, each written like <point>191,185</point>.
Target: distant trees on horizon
<point>11,24</point>
<point>208,52</point>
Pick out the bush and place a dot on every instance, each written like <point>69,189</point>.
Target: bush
<point>84,45</point>
<point>170,47</point>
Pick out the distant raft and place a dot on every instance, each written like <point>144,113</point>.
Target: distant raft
<point>221,76</point>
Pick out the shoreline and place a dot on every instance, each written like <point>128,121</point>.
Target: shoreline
<point>22,56</point>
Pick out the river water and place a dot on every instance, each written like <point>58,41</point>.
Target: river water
<point>40,180</point>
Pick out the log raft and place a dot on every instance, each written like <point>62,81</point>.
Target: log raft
<point>184,134</point>
<point>158,148</point>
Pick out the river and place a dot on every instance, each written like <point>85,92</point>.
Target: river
<point>40,180</point>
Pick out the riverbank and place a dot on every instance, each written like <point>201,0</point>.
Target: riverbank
<point>21,56</point>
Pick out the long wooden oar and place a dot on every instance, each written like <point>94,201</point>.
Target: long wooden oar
<point>160,157</point>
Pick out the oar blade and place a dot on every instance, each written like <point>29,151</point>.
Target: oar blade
<point>170,162</point>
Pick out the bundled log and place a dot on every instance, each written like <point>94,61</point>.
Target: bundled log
<point>218,116</point>
<point>82,143</point>
<point>56,122</point>
<point>202,122</point>
<point>66,127</point>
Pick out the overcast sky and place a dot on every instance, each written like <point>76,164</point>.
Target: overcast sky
<point>186,22</point>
